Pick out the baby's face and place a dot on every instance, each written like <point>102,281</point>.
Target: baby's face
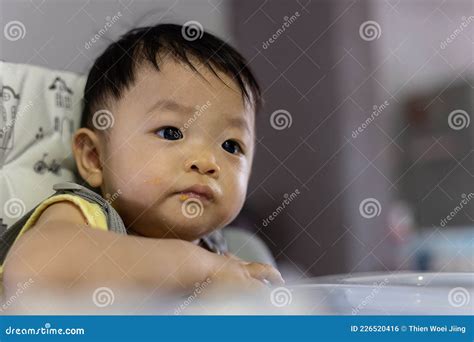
<point>172,131</point>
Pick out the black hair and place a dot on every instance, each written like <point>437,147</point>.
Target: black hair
<point>114,71</point>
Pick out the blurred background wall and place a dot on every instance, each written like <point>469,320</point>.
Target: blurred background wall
<point>370,86</point>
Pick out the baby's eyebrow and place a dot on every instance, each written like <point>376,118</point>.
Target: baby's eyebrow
<point>171,105</point>
<point>239,122</point>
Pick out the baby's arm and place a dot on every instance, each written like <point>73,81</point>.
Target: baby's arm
<point>61,251</point>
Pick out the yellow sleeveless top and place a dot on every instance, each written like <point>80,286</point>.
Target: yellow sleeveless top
<point>93,213</point>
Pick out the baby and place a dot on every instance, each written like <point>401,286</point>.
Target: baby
<point>167,138</point>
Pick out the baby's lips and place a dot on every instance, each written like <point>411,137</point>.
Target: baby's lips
<point>202,192</point>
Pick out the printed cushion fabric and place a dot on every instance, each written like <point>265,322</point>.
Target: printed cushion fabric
<point>40,110</point>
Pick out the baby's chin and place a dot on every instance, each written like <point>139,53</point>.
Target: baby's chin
<point>173,219</point>
<point>173,225</point>
<point>185,229</point>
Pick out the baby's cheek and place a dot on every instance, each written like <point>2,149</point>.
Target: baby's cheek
<point>233,203</point>
<point>234,183</point>
<point>227,212</point>
<point>136,191</point>
<point>134,202</point>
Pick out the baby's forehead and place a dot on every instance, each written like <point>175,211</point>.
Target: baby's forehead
<point>177,77</point>
<point>176,87</point>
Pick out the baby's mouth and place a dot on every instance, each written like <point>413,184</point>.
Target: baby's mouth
<point>183,196</point>
<point>200,192</point>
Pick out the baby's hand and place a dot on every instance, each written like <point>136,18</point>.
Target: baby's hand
<point>235,275</point>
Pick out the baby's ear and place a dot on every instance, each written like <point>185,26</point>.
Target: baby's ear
<point>86,148</point>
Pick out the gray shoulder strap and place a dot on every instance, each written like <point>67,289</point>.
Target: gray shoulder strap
<point>114,221</point>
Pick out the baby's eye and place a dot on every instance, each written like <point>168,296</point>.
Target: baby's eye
<point>170,133</point>
<point>232,146</point>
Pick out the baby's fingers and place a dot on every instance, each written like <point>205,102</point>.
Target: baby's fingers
<point>233,257</point>
<point>264,272</point>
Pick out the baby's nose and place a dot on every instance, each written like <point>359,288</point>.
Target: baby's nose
<point>204,166</point>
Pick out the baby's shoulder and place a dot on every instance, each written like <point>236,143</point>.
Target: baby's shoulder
<point>65,211</point>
